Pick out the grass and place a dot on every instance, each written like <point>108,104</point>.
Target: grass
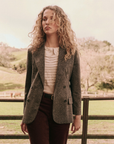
<point>11,108</point>
<point>16,108</point>
<point>95,108</point>
<point>11,80</point>
<point>8,70</point>
<point>21,55</point>
<point>10,86</point>
<point>101,107</point>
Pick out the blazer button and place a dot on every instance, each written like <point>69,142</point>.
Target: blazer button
<point>64,86</point>
<point>65,100</point>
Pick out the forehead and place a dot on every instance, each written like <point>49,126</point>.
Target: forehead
<point>48,12</point>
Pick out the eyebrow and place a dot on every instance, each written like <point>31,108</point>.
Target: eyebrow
<point>53,17</point>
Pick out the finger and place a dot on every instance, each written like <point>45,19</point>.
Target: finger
<point>78,128</point>
<point>26,130</point>
<point>72,127</point>
<point>23,128</point>
<point>75,129</point>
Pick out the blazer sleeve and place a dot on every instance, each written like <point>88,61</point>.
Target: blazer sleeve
<point>28,75</point>
<point>76,85</point>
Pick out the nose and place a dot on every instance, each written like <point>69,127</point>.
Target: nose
<point>48,21</point>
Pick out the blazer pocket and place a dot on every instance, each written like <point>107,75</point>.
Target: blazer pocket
<point>70,101</point>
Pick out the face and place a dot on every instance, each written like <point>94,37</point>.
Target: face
<point>49,22</point>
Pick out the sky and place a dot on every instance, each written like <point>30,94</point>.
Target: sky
<point>89,18</point>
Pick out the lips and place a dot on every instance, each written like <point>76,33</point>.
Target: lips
<point>47,28</point>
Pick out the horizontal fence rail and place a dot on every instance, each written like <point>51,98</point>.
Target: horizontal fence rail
<point>91,117</point>
<point>85,117</point>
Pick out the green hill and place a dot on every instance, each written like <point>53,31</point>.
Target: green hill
<point>19,56</point>
<point>11,80</point>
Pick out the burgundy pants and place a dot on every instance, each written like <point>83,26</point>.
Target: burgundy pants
<point>43,130</point>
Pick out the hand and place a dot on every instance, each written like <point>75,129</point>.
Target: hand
<point>76,124</point>
<point>24,128</point>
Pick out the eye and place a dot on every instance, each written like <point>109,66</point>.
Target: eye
<point>51,18</point>
<point>44,19</point>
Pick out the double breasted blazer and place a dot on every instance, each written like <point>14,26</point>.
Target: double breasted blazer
<point>67,92</point>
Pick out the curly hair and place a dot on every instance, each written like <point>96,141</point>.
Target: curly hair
<point>66,35</point>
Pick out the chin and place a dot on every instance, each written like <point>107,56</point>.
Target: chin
<point>48,33</point>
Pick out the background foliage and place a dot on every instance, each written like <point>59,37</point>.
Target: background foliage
<point>96,57</point>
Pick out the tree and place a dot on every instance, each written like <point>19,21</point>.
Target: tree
<point>96,65</point>
<point>4,60</point>
<point>97,70</point>
<point>5,55</point>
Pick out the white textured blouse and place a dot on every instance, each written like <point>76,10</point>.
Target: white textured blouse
<point>51,62</point>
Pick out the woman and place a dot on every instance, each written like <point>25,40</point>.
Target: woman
<point>52,89</point>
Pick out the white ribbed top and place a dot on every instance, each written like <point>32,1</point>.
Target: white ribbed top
<point>51,61</point>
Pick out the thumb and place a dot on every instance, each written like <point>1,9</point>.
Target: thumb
<point>72,126</point>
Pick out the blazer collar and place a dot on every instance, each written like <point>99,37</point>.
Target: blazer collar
<point>39,56</point>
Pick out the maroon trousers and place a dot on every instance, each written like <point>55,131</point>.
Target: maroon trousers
<point>43,130</point>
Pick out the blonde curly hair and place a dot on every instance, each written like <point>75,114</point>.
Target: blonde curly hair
<point>66,35</point>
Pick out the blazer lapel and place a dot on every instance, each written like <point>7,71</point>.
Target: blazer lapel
<point>39,60</point>
<point>61,64</point>
<point>39,56</point>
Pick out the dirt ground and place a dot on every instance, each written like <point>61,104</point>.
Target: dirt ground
<point>68,142</point>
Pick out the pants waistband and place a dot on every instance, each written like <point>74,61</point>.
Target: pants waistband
<point>50,96</point>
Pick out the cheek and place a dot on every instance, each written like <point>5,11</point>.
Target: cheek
<point>55,26</point>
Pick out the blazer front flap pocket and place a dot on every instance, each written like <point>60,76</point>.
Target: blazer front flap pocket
<point>70,101</point>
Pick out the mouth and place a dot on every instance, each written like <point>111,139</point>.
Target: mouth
<point>47,28</point>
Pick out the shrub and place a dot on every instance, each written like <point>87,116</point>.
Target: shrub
<point>104,85</point>
<point>4,61</point>
<point>21,67</point>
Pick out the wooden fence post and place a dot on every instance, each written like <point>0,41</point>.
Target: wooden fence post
<point>85,119</point>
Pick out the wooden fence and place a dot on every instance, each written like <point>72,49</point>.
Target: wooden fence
<point>85,117</point>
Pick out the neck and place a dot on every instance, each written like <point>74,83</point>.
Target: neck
<point>52,41</point>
